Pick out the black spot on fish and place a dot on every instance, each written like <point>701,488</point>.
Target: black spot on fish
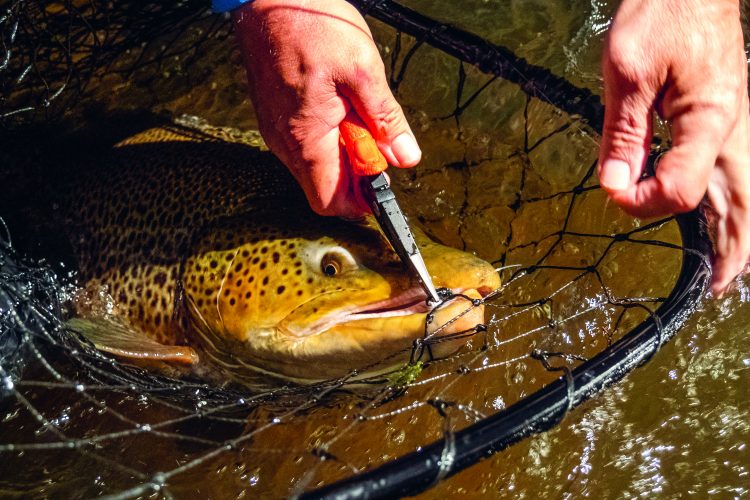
<point>214,264</point>
<point>160,279</point>
<point>265,280</point>
<point>248,295</point>
<point>280,290</point>
<point>276,257</point>
<point>232,301</point>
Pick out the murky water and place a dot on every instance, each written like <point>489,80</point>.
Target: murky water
<point>676,426</point>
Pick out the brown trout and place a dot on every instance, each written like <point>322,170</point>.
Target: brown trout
<point>214,263</point>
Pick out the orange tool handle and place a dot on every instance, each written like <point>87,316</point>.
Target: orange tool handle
<point>364,156</point>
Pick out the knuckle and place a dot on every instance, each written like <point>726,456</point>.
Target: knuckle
<point>625,131</point>
<point>388,117</point>
<point>369,63</point>
<point>623,60</point>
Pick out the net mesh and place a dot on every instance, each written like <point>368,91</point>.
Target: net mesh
<point>508,173</point>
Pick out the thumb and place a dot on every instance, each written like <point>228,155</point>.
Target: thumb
<point>626,137</point>
<point>368,92</point>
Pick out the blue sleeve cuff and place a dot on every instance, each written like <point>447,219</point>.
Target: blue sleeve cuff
<point>226,5</point>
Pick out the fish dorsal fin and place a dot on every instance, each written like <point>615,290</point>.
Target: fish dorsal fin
<point>187,128</point>
<point>112,336</point>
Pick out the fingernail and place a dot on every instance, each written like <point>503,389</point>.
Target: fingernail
<point>405,150</point>
<point>615,175</point>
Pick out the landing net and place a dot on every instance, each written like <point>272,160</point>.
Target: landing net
<point>508,172</point>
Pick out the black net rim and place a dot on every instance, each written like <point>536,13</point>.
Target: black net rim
<point>416,472</point>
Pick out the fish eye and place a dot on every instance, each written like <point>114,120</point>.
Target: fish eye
<point>330,265</point>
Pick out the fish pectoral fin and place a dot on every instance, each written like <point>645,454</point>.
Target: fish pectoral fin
<point>115,337</point>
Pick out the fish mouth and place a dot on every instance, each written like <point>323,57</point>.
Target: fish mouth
<point>412,301</point>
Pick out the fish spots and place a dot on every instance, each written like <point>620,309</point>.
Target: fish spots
<point>280,290</point>
<point>214,264</point>
<point>265,281</point>
<point>232,301</point>
<point>160,278</point>
<point>248,295</point>
<point>276,257</point>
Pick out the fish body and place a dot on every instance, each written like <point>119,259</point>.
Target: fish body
<point>213,260</point>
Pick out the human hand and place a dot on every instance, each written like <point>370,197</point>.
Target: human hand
<point>307,63</point>
<point>686,60</point>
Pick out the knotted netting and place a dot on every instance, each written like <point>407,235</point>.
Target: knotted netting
<point>508,173</point>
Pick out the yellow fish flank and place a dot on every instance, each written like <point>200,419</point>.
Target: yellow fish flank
<point>215,262</point>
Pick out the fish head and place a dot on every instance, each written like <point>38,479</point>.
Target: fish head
<point>311,301</point>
